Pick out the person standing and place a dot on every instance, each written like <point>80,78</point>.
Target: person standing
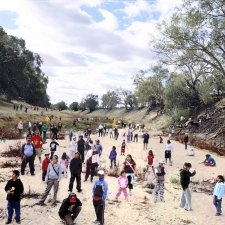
<point>44,129</point>
<point>14,189</point>
<point>20,127</point>
<point>75,171</point>
<point>53,176</point>
<point>100,130</point>
<point>60,126</point>
<point>129,166</point>
<point>70,209</point>
<point>28,156</point>
<point>92,162</point>
<point>98,147</point>
<point>123,183</point>
<point>81,147</point>
<point>159,183</point>
<point>112,157</point>
<point>168,151</point>
<point>185,175</point>
<point>145,140</point>
<point>218,194</point>
<point>99,195</point>
<point>37,142</point>
<point>53,147</point>
<point>45,164</point>
<point>110,132</point>
<point>186,139</point>
<point>73,147</point>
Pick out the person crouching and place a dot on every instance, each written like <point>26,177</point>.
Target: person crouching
<point>70,209</point>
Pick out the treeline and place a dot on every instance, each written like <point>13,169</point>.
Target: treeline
<point>190,73</point>
<point>21,76</point>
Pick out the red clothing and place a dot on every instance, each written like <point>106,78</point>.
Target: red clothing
<point>45,163</point>
<point>150,159</point>
<point>37,141</point>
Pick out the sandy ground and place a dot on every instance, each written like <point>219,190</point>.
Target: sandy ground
<point>140,208</point>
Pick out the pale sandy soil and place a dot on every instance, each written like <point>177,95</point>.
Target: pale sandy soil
<point>136,210</point>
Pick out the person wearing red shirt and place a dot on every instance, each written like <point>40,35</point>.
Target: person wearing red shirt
<point>45,163</point>
<point>37,142</point>
<point>150,159</point>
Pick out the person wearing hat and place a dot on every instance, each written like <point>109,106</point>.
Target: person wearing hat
<point>14,189</point>
<point>185,176</point>
<point>70,209</point>
<point>99,195</point>
<point>28,156</point>
<point>75,171</point>
<point>159,183</point>
<point>45,164</point>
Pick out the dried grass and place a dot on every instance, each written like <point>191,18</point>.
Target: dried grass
<point>10,134</point>
<point>9,164</point>
<point>13,150</point>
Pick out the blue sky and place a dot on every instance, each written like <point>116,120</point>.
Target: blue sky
<point>88,46</point>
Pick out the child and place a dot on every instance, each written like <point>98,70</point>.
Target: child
<point>53,146</point>
<point>191,152</point>
<point>218,194</point>
<point>209,161</point>
<point>64,162</point>
<point>14,189</point>
<point>123,147</point>
<point>112,157</point>
<point>71,135</point>
<point>160,139</point>
<point>123,183</point>
<point>45,163</point>
<point>150,159</point>
<point>159,184</point>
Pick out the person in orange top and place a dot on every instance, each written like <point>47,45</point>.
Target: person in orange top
<point>37,142</point>
<point>45,163</point>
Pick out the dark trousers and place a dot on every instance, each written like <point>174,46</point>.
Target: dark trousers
<point>78,179</point>
<point>91,170</point>
<point>69,218</point>
<point>43,175</point>
<point>26,160</point>
<point>52,153</point>
<point>113,161</point>
<point>217,203</point>
<point>99,210</point>
<point>185,145</point>
<point>130,186</point>
<point>135,139</point>
<point>81,154</point>
<point>100,131</point>
<point>10,208</point>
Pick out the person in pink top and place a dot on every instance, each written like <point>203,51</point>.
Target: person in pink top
<point>64,162</point>
<point>123,183</point>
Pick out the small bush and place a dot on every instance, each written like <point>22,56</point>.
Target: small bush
<point>175,181</point>
<point>8,133</point>
<point>9,164</point>
<point>13,151</point>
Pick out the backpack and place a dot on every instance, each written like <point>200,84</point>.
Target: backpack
<point>98,192</point>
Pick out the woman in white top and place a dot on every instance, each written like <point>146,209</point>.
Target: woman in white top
<point>168,151</point>
<point>20,127</point>
<point>73,147</point>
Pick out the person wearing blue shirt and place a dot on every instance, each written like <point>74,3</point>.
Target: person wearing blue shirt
<point>218,194</point>
<point>209,161</point>
<point>99,195</point>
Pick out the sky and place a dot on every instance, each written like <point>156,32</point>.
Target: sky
<point>88,46</point>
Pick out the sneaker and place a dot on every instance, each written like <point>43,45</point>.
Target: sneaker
<point>54,204</point>
<point>8,222</point>
<point>218,214</point>
<point>32,174</point>
<point>96,222</point>
<point>79,191</point>
<point>18,222</point>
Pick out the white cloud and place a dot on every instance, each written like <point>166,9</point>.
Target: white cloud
<point>81,55</point>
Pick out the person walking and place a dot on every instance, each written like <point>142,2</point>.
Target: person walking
<point>81,147</point>
<point>112,157</point>
<point>159,183</point>
<point>37,142</point>
<point>99,195</point>
<point>75,172</point>
<point>20,127</point>
<point>218,194</point>
<point>70,209</point>
<point>14,189</point>
<point>186,139</point>
<point>28,156</point>
<point>185,176</point>
<point>98,147</point>
<point>64,162</point>
<point>44,129</point>
<point>53,147</point>
<point>73,147</point>
<point>53,176</point>
<point>129,166</point>
<point>123,183</point>
<point>168,151</point>
<point>100,130</point>
<point>123,147</point>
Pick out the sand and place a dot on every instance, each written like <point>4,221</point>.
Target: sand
<point>140,209</point>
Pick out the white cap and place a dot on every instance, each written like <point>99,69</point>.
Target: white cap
<point>101,172</point>
<point>161,161</point>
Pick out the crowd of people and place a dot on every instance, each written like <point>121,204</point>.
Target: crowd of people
<point>86,153</point>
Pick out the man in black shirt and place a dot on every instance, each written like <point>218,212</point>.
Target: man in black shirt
<point>70,209</point>
<point>81,148</point>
